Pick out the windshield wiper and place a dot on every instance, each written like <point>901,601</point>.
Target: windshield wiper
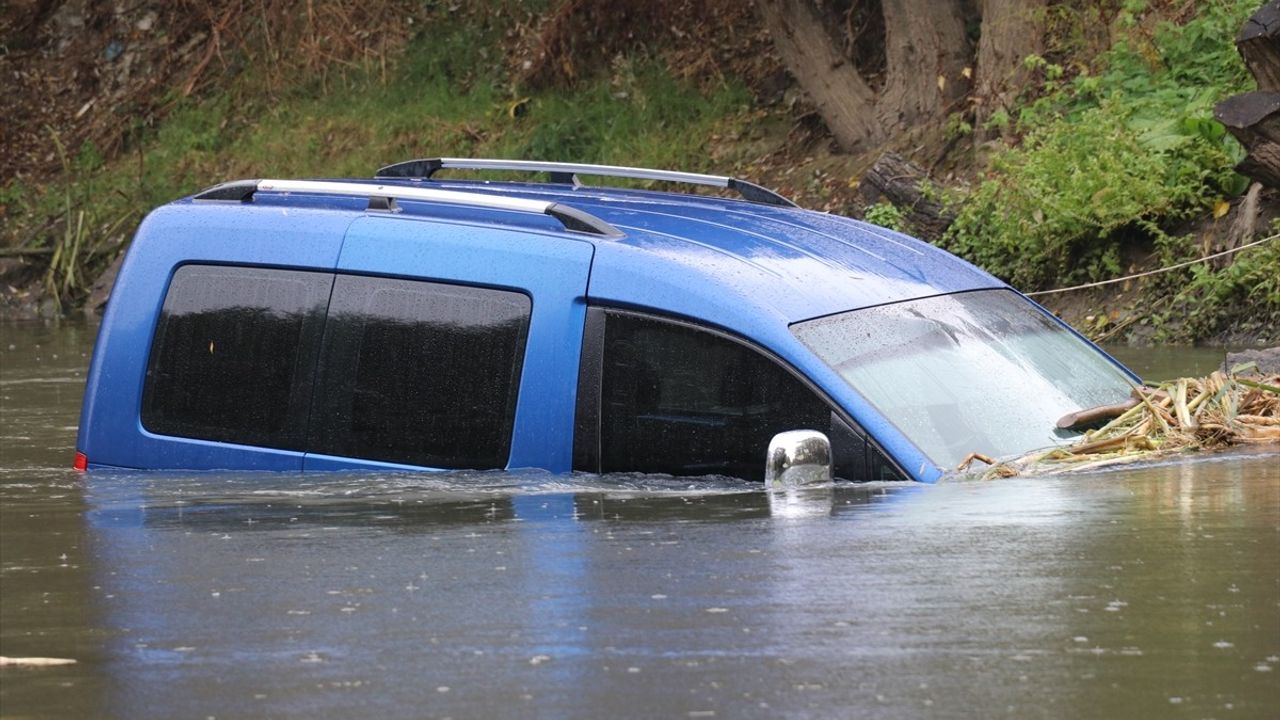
<point>1081,419</point>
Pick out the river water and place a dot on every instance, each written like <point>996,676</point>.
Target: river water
<point>1151,592</point>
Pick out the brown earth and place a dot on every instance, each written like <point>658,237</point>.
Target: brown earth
<point>86,73</point>
<point>80,72</point>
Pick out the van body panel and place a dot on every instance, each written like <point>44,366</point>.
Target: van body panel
<point>111,431</point>
<point>317,462</point>
<point>551,269</point>
<point>747,269</point>
<point>790,264</point>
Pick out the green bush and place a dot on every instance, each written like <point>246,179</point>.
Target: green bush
<point>1204,302</point>
<point>1111,157</point>
<point>1059,207</point>
<point>886,215</point>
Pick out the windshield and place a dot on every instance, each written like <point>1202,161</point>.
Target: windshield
<point>984,372</point>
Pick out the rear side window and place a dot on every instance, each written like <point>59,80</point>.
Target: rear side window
<point>233,355</point>
<point>420,373</point>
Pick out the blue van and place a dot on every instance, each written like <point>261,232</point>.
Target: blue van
<point>412,322</point>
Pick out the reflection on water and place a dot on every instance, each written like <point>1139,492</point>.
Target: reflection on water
<point>1142,592</point>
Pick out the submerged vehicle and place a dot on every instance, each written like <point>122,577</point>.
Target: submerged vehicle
<point>412,322</point>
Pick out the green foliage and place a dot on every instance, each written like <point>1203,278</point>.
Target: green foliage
<point>886,215</point>
<point>999,120</point>
<point>1176,70</point>
<point>446,97</point>
<point>957,126</point>
<point>13,197</point>
<point>1055,209</point>
<point>1112,156</point>
<point>642,116</point>
<point>88,159</point>
<point>1205,299</point>
<point>78,225</point>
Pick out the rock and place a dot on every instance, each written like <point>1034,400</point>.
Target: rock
<point>13,270</point>
<point>1267,359</point>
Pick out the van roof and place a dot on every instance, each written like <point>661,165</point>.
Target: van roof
<point>680,252</point>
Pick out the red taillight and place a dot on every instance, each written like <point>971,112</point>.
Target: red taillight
<point>82,462</point>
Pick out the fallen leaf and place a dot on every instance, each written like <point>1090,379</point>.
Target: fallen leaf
<point>1220,208</point>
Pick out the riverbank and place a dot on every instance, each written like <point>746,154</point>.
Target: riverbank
<point>164,103</point>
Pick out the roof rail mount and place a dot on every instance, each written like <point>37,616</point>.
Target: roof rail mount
<point>569,172</point>
<point>384,197</point>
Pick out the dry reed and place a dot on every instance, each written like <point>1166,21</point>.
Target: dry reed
<point>1183,415</point>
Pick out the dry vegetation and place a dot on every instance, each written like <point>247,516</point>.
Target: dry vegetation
<point>84,73</point>
<point>1184,415</point>
<point>113,108</point>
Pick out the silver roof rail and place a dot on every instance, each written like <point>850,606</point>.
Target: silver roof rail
<point>569,172</point>
<point>383,197</point>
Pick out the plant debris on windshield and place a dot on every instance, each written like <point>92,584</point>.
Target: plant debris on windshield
<point>1184,415</point>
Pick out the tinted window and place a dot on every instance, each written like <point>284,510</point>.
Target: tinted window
<point>420,373</point>
<point>857,458</point>
<point>233,355</point>
<point>678,400</point>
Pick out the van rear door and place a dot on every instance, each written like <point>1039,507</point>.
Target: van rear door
<point>450,345</point>
<point>208,343</point>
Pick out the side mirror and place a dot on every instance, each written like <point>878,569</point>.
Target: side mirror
<point>798,458</point>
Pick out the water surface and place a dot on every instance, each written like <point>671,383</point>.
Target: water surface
<point>1148,592</point>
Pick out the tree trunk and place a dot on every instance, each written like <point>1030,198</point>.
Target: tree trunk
<point>1011,30</point>
<point>897,180</point>
<point>843,99</point>
<point>926,52</point>
<point>1254,117</point>
<point>1243,228</point>
<point>1257,45</point>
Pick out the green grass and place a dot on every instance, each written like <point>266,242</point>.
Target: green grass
<point>438,100</point>
<point>1115,150</point>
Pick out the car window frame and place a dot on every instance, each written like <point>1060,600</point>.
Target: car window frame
<point>312,384</point>
<point>587,442</point>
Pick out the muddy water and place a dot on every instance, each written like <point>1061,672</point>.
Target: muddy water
<point>1169,362</point>
<point>1151,592</point>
